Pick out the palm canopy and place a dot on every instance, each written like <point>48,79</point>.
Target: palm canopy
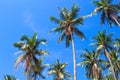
<point>109,12</point>
<point>9,77</point>
<point>67,22</point>
<point>102,40</point>
<point>58,70</point>
<point>29,46</point>
<point>92,64</point>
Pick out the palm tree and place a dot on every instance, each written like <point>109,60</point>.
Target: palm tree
<point>66,26</point>
<point>104,43</point>
<point>58,70</point>
<point>9,77</point>
<point>92,64</point>
<point>109,12</point>
<point>29,46</point>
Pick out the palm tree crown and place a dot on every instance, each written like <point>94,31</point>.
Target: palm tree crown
<point>58,70</point>
<point>109,12</point>
<point>29,46</point>
<point>102,40</point>
<point>92,64</point>
<point>67,23</point>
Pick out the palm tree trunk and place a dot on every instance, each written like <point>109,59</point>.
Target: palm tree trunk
<point>59,79</point>
<point>108,56</point>
<point>115,19</point>
<point>95,72</point>
<point>74,58</point>
<point>117,22</point>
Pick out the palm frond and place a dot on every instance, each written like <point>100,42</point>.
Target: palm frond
<point>103,18</point>
<point>68,40</point>
<point>51,72</point>
<point>19,60</point>
<point>18,44</point>
<point>52,18</point>
<point>83,63</point>
<point>78,33</point>
<point>40,74</point>
<point>24,37</point>
<point>34,37</point>
<point>61,37</point>
<point>9,77</point>
<point>41,52</point>
<point>63,13</point>
<point>74,11</point>
<point>97,3</point>
<point>67,75</point>
<point>58,29</point>
<point>99,48</point>
<point>77,21</point>
<point>42,41</point>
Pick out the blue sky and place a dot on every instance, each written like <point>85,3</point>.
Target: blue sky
<point>18,17</point>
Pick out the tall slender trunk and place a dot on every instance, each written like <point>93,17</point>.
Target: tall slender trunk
<point>117,22</point>
<point>115,19</point>
<point>59,79</point>
<point>95,73</point>
<point>109,59</point>
<point>74,58</point>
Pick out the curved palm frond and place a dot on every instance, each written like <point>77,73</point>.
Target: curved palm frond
<point>41,52</point>
<point>74,11</point>
<point>19,60</point>
<point>9,77</point>
<point>78,33</point>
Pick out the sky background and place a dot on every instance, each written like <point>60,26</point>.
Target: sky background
<point>18,17</point>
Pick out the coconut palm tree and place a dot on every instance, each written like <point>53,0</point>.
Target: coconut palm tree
<point>58,70</point>
<point>29,48</point>
<point>92,64</point>
<point>109,12</point>
<point>9,77</point>
<point>66,25</point>
<point>104,43</point>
